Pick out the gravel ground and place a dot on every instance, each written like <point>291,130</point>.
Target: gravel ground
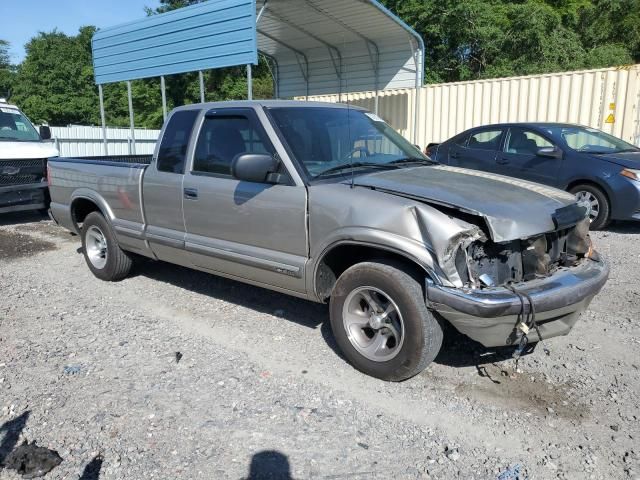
<point>258,389</point>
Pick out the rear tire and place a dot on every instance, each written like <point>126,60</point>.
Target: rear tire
<point>381,323</point>
<point>600,216</point>
<point>103,255</point>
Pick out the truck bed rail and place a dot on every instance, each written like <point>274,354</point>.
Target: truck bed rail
<point>138,161</point>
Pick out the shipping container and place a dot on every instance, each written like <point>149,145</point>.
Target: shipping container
<point>607,99</point>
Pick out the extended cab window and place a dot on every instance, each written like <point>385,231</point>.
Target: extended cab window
<point>485,140</point>
<point>524,141</point>
<point>222,138</point>
<point>175,141</point>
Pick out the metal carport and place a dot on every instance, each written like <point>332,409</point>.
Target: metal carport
<point>314,46</point>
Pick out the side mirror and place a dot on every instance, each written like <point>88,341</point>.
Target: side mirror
<point>550,152</point>
<point>45,132</point>
<point>255,167</point>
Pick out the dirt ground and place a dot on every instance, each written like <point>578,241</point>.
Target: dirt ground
<point>173,373</point>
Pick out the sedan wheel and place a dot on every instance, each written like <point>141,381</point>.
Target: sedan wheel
<point>584,196</point>
<point>598,203</point>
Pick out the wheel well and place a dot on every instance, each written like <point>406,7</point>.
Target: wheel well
<point>80,208</point>
<point>341,257</point>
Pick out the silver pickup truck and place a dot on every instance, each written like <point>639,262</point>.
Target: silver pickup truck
<point>328,203</point>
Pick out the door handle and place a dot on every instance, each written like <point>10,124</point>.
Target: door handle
<point>191,193</point>
<point>502,161</point>
<point>455,155</point>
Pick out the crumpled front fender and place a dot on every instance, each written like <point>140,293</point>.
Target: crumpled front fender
<point>429,237</point>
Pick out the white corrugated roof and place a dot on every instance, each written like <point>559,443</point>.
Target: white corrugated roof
<point>329,46</point>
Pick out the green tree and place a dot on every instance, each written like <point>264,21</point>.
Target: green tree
<point>55,81</point>
<point>4,54</point>
<point>168,5</point>
<point>7,71</point>
<point>471,39</point>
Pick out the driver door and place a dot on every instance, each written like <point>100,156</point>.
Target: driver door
<point>520,158</point>
<point>250,231</point>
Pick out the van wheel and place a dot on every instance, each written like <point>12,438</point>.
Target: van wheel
<point>103,255</point>
<point>600,208</point>
<point>381,323</point>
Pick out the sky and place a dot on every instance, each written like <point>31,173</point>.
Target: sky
<point>20,20</point>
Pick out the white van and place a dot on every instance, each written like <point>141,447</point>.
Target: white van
<point>23,161</point>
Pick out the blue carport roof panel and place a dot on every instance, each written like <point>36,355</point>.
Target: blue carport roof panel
<point>214,34</point>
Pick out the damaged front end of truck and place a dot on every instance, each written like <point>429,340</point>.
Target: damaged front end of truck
<point>518,291</point>
<point>501,278</point>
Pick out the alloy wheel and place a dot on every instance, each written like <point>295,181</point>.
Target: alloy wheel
<point>96,245</point>
<point>594,204</point>
<point>373,323</point>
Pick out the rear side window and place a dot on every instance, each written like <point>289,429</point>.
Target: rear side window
<point>461,140</point>
<point>485,140</point>
<point>222,138</point>
<point>175,141</point>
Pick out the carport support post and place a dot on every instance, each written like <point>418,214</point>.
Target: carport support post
<point>201,77</point>
<point>249,82</point>
<point>104,123</point>
<point>163,89</point>
<point>418,54</point>
<point>131,121</point>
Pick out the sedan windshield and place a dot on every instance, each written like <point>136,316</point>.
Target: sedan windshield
<point>337,141</point>
<point>14,126</point>
<point>590,140</point>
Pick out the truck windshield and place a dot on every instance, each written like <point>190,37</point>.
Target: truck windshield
<point>327,141</point>
<point>15,127</point>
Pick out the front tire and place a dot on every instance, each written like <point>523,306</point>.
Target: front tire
<point>103,255</point>
<point>600,209</point>
<point>381,323</point>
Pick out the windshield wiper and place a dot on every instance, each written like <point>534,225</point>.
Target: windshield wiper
<point>423,161</point>
<point>338,168</point>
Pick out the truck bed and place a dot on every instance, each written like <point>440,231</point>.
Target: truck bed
<point>114,181</point>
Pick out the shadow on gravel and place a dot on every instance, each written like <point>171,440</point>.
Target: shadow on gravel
<point>92,470</point>
<point>269,464</point>
<point>458,351</point>
<point>18,218</point>
<point>12,430</point>
<point>305,313</point>
<point>624,227</point>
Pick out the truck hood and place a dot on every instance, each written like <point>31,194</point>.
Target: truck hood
<point>624,159</point>
<point>26,150</point>
<point>512,208</point>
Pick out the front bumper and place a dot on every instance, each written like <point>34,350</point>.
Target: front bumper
<point>16,198</point>
<point>490,315</point>
<point>625,201</point>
